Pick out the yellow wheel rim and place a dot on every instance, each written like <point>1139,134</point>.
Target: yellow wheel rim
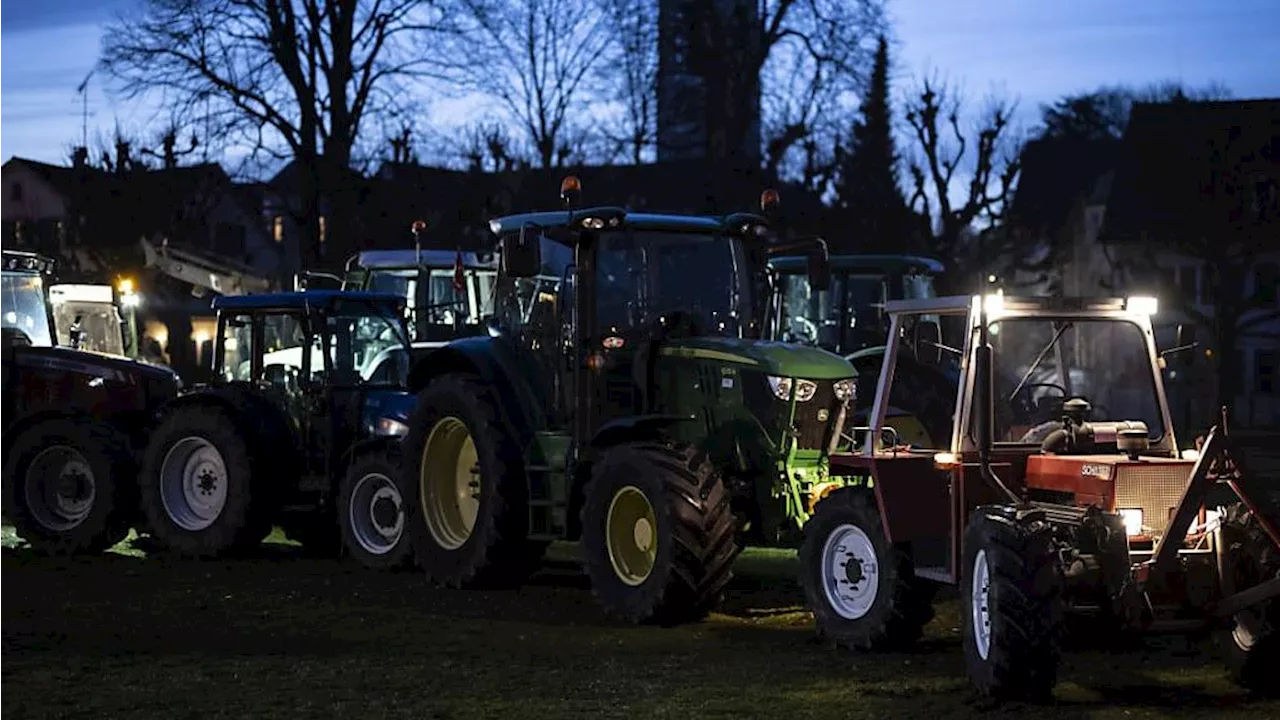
<point>449,483</point>
<point>631,535</point>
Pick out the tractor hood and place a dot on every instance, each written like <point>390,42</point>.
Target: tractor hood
<point>771,358</point>
<point>95,364</point>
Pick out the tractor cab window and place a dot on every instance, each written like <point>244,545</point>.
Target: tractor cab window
<point>237,348</point>
<point>647,276</point>
<point>358,335</point>
<point>844,319</point>
<point>1039,363</point>
<point>23,302</point>
<point>918,286</point>
<point>284,338</point>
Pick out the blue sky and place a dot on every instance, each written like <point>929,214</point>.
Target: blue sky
<point>1035,50</point>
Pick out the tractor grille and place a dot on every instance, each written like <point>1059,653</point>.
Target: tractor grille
<point>811,431</point>
<point>1153,488</point>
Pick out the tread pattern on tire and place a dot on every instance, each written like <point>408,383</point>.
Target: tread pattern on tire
<point>703,534</point>
<point>1025,604</point>
<point>498,551</point>
<point>243,523</point>
<point>115,498</point>
<point>895,625</point>
<point>1253,668</point>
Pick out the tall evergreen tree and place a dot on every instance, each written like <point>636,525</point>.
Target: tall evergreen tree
<point>875,212</point>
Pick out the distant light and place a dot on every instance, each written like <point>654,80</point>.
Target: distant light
<point>945,461</point>
<point>130,300</point>
<point>1190,454</point>
<point>1132,518</point>
<point>201,338</point>
<point>126,286</point>
<point>994,304</point>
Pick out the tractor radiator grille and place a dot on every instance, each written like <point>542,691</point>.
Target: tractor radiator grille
<point>1155,489</point>
<point>810,429</point>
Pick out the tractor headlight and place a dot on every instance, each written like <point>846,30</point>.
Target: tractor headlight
<point>390,427</point>
<point>805,389</point>
<point>1132,521</point>
<point>846,389</point>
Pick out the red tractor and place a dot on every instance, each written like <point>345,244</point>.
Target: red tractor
<point>1060,492</point>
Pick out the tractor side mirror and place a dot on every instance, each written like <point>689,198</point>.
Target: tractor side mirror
<point>522,254</point>
<point>1185,342</point>
<point>928,342</point>
<point>819,271</point>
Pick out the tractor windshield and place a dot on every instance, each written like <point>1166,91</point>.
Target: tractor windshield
<point>22,301</point>
<point>361,337</point>
<point>440,303</point>
<point>1041,362</point>
<point>648,275</point>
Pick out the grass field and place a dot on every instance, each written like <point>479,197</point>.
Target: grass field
<point>279,636</point>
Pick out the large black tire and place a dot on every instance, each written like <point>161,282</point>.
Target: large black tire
<point>494,549</point>
<point>371,514</point>
<point>1009,563</point>
<point>873,601</point>
<point>67,487</point>
<point>177,521</point>
<point>1252,643</point>
<point>680,573</point>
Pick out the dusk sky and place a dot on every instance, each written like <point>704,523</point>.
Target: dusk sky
<point>1035,50</point>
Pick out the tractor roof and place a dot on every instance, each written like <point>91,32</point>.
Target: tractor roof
<point>848,263</point>
<point>20,261</point>
<point>403,259</point>
<point>1012,304</point>
<point>638,221</point>
<point>301,300</point>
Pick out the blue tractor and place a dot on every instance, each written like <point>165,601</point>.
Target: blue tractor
<point>296,429</point>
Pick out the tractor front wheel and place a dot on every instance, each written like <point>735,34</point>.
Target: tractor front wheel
<point>658,534</point>
<point>463,479</point>
<point>1252,644</point>
<point>862,590</point>
<point>371,513</point>
<point>1011,609</point>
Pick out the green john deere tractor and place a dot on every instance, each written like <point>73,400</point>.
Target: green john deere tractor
<point>632,407</point>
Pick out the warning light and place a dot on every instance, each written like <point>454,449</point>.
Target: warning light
<point>595,362</point>
<point>769,200</point>
<point>419,226</point>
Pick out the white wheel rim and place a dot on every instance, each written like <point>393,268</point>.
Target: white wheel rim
<point>193,484</point>
<point>376,514</point>
<point>59,488</point>
<point>850,572</point>
<point>980,604</point>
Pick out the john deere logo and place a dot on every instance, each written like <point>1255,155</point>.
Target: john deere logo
<point>823,414</point>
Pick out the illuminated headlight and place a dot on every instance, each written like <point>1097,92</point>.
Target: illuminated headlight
<point>593,223</point>
<point>846,389</point>
<point>390,427</point>
<point>782,388</point>
<point>1132,522</point>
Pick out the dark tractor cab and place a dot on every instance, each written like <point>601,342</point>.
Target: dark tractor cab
<point>75,422</point>
<point>295,429</point>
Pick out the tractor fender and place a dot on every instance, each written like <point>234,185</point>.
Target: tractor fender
<point>638,427</point>
<point>387,445</point>
<point>501,368</point>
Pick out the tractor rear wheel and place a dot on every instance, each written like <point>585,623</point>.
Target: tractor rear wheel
<point>1252,645</point>
<point>464,482</point>
<point>371,513</point>
<point>65,487</point>
<point>197,485</point>
<point>1011,609</point>
<point>862,590</point>
<point>658,535</point>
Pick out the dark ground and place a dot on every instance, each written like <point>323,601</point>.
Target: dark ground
<point>280,636</point>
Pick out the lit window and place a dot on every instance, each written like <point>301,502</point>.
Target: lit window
<point>277,228</point>
<point>322,233</point>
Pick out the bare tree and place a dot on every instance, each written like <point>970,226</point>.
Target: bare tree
<point>294,78</point>
<point>535,58</point>
<point>632,68</point>
<point>988,157</point>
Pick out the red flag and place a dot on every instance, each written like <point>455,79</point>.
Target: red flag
<point>459,279</point>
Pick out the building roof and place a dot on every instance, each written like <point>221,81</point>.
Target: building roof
<point>303,299</point>
<point>1056,174</point>
<point>1187,167</point>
